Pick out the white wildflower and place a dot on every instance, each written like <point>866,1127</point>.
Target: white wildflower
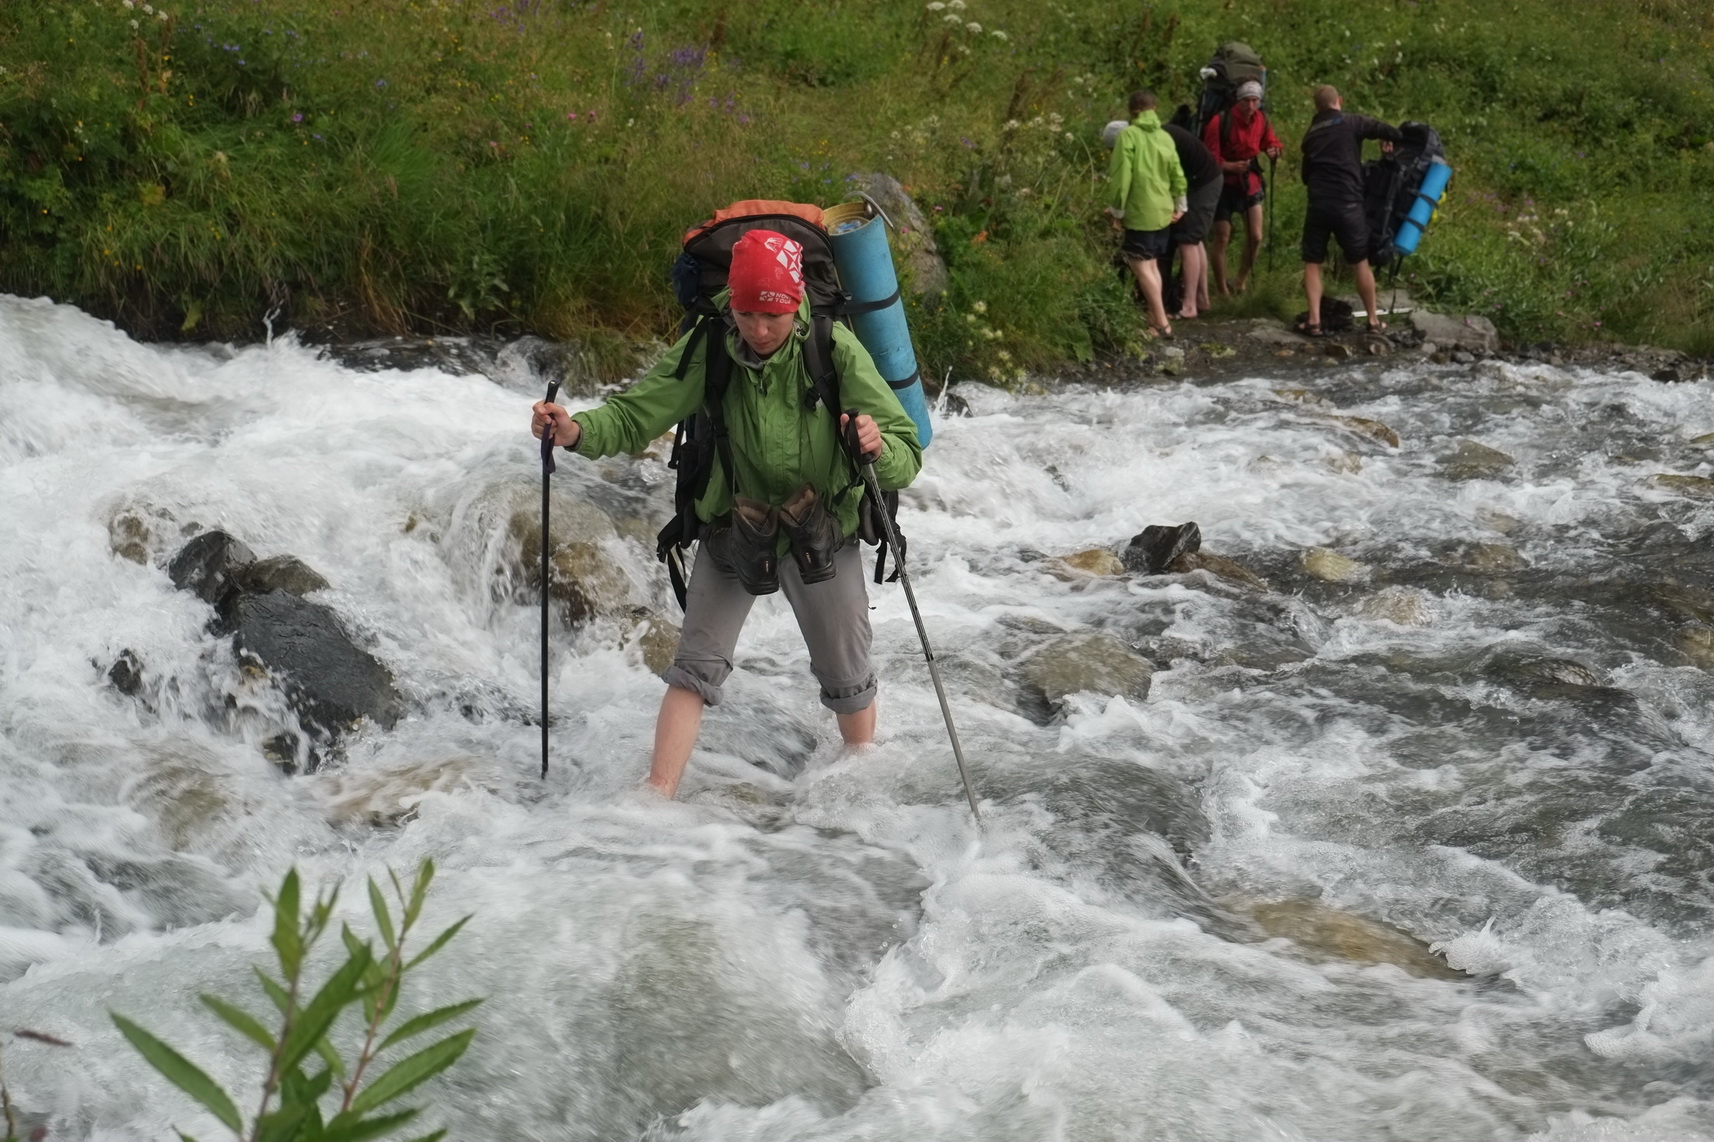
<point>998,35</point>
<point>161,15</point>
<point>130,3</point>
<point>955,5</point>
<point>973,28</point>
<point>979,306</point>
<point>953,18</point>
<point>1068,137</point>
<point>148,9</point>
<point>936,6</point>
<point>1011,125</point>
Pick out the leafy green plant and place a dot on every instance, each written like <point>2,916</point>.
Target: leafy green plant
<point>306,1071</point>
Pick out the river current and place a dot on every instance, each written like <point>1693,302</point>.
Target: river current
<point>1201,913</point>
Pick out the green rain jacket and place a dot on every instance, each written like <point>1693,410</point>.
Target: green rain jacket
<point>1144,179</point>
<point>778,445</point>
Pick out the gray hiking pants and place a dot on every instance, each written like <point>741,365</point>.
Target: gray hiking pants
<point>833,616</point>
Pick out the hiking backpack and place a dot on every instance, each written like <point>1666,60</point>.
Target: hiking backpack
<point>1232,65</point>
<point>1390,186</point>
<point>698,277</point>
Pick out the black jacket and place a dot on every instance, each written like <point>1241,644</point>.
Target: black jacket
<point>1197,160</point>
<point>1333,156</point>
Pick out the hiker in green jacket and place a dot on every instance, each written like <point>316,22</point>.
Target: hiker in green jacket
<point>1146,190</point>
<point>785,517</point>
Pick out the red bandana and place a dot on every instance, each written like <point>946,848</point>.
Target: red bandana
<point>767,273</point>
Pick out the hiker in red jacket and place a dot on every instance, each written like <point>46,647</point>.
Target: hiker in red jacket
<point>1237,136</point>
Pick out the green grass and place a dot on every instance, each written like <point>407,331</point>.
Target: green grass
<point>452,165</point>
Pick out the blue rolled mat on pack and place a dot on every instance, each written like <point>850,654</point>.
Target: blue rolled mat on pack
<point>1428,194</point>
<point>858,235</point>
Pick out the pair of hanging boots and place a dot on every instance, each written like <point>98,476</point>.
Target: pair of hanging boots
<point>749,548</point>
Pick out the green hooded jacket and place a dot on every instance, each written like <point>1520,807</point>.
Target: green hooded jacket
<point>778,445</point>
<point>1144,179</point>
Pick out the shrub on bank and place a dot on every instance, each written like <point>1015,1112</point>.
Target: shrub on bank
<point>204,167</point>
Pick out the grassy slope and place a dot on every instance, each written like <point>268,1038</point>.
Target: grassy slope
<point>528,166</point>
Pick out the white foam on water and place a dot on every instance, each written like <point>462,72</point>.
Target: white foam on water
<point>816,944</point>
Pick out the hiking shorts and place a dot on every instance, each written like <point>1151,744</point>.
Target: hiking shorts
<point>833,616</point>
<point>1146,245</point>
<point>1235,200</point>
<point>1194,226</point>
<point>1345,222</point>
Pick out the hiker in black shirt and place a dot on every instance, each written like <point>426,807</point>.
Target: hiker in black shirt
<point>1202,171</point>
<point>1333,176</point>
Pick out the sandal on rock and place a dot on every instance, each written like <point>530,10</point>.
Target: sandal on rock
<point>1160,332</point>
<point>1310,329</point>
<point>1377,326</point>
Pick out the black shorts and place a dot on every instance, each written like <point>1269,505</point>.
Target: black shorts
<point>1234,200</point>
<point>1346,223</point>
<point>1146,245</point>
<point>1193,227</point>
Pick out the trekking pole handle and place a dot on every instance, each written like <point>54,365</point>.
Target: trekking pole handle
<point>851,444</point>
<point>548,465</point>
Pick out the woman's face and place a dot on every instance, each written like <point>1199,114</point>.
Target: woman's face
<point>764,332</point>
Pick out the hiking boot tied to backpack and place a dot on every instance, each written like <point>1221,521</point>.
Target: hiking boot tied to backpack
<point>814,537</point>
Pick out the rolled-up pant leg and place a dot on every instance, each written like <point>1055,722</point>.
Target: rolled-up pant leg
<point>834,619</point>
<point>715,607</point>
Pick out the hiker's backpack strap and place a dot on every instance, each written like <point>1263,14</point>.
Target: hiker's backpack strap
<point>698,439</point>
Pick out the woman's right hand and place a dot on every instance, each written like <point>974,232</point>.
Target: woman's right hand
<point>566,431</point>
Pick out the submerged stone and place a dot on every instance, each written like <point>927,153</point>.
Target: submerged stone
<point>1699,487</point>
<point>1327,935</point>
<point>1332,567</point>
<point>1219,566</point>
<point>1089,661</point>
<point>328,680</point>
<point>1157,545</point>
<point>1474,461</point>
<point>281,573</point>
<point>1096,561</point>
<point>209,566</point>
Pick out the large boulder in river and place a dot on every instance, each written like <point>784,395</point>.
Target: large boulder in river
<point>329,680</point>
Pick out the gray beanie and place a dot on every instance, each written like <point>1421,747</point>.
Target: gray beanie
<point>1249,89</point>
<point>1110,133</point>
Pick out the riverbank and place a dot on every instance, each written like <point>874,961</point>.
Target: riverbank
<point>220,169</point>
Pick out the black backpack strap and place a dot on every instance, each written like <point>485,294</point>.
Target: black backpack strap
<point>698,439</point>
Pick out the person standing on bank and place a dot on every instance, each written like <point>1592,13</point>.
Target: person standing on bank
<point>1333,178</point>
<point>1202,171</point>
<point>1146,196</point>
<point>1237,136</point>
<point>781,504</point>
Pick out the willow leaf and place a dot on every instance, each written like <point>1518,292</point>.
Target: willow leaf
<point>182,1073</point>
<point>440,942</point>
<point>409,1073</point>
<point>241,1021</point>
<point>358,1129</point>
<point>416,1025</point>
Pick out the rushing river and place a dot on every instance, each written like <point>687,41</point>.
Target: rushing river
<point>1201,913</point>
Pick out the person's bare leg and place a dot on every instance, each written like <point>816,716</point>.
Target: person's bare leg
<point>1217,256</point>
<point>1312,291</point>
<point>1252,244</point>
<point>1202,303</point>
<point>858,728</point>
<point>1195,287</point>
<point>676,727</point>
<point>1148,273</point>
<point>1366,291</point>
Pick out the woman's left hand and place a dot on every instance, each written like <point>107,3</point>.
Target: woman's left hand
<point>869,440</point>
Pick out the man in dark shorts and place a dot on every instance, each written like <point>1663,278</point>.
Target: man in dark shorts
<point>1236,137</point>
<point>1333,176</point>
<point>1202,172</point>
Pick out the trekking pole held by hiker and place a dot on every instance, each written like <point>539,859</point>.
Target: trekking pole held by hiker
<point>547,472</point>
<point>1272,188</point>
<point>866,465</point>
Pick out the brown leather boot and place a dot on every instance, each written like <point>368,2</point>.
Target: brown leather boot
<point>753,547</point>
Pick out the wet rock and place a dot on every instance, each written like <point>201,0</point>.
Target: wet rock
<point>1088,661</point>
<point>1096,561</point>
<point>1448,332</point>
<point>330,682</point>
<point>390,795</point>
<point>1697,487</point>
<point>1462,357</point>
<point>1374,429</point>
<point>583,578</point>
<point>209,566</point>
<point>1489,557</point>
<point>1338,350</point>
<point>1495,520</point>
<point>657,637</point>
<point>128,537</point>
<point>1267,332</point>
<point>1331,567</point>
<point>1346,463</point>
<point>1327,935</point>
<point>280,573</point>
<point>126,673</point>
<point>1474,461</point>
<point>912,238</point>
<point>1219,566</point>
<point>582,574</point>
<point>1696,643</point>
<point>1399,605</point>
<point>1695,603</point>
<point>1157,545</point>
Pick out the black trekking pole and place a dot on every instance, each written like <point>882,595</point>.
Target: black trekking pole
<point>547,472</point>
<point>1271,189</point>
<point>866,464</point>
